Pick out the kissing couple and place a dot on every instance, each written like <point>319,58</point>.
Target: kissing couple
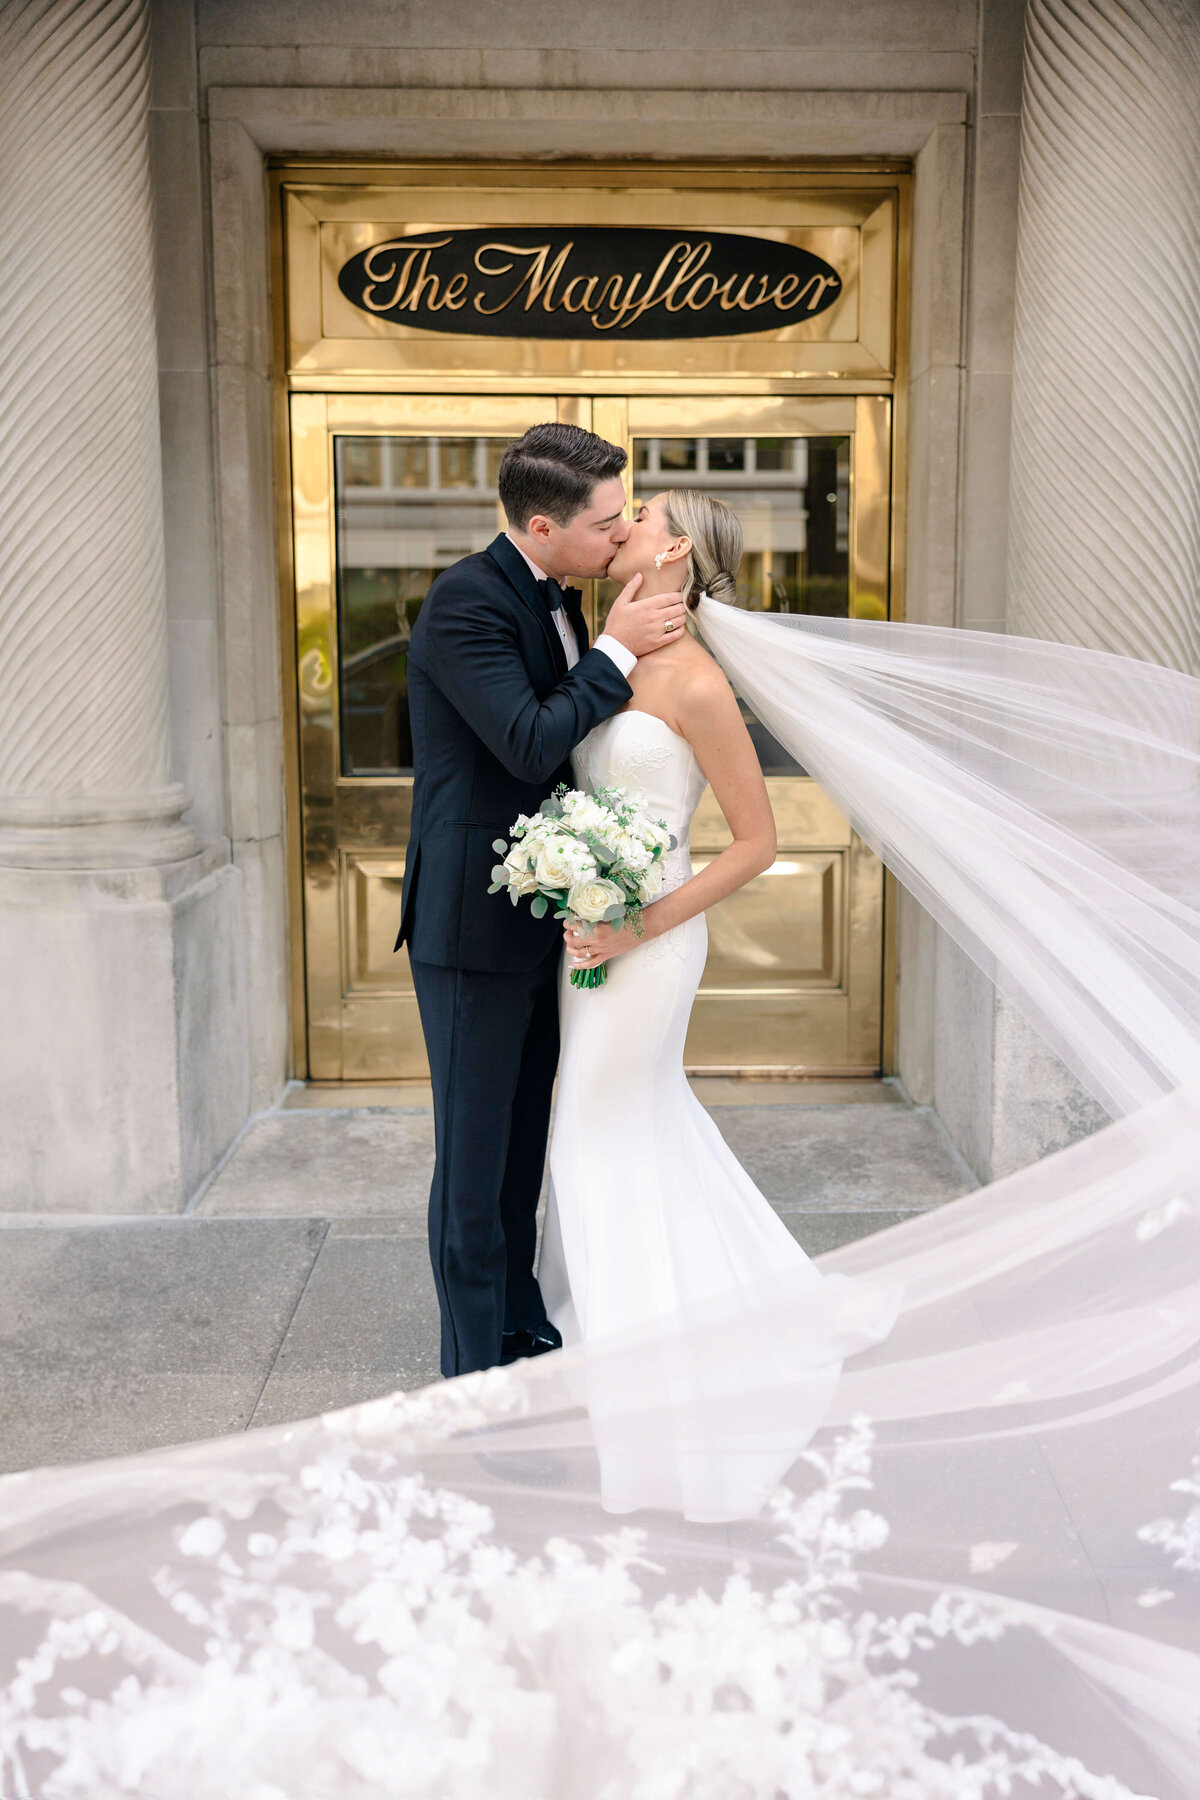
<point>650,1214</point>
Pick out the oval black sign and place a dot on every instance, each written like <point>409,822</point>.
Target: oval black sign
<point>577,282</point>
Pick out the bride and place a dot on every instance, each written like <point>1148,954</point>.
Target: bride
<point>650,1214</point>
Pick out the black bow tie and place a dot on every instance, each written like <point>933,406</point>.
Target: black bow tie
<point>552,592</point>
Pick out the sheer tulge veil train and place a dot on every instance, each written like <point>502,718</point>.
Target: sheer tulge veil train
<point>982,1576</point>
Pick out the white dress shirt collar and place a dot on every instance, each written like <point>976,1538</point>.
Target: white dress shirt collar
<point>538,574</point>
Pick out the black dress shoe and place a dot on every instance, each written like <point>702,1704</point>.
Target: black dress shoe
<point>516,1344</point>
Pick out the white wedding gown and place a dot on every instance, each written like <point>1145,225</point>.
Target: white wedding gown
<point>651,1216</point>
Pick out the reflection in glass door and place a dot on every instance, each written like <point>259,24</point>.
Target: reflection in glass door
<point>386,493</point>
<point>406,508</point>
<point>794,974</point>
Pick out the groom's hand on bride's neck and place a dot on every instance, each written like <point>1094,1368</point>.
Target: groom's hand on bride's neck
<point>645,623</point>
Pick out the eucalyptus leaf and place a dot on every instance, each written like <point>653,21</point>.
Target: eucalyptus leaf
<point>538,905</point>
<point>500,874</point>
<point>499,846</point>
<point>614,913</point>
<point>551,808</point>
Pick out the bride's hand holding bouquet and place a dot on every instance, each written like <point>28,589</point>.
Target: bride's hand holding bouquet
<point>597,858</point>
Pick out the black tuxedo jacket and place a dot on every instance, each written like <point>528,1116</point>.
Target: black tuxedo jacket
<point>495,715</point>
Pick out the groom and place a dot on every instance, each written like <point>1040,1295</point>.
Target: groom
<point>501,687</point>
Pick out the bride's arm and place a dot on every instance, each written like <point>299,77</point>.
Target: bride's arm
<point>707,715</point>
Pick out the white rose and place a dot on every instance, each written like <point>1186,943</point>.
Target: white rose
<point>590,900</point>
<point>561,861</point>
<point>650,884</point>
<point>653,834</point>
<point>521,878</point>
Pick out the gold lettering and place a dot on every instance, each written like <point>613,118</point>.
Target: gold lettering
<point>693,262</point>
<point>693,300</point>
<point>820,283</point>
<point>398,277</point>
<point>620,306</point>
<point>377,277</point>
<point>585,304</point>
<point>649,298</point>
<point>424,279</point>
<point>536,275</point>
<point>740,302</point>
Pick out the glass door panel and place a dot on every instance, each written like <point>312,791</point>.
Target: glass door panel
<point>387,492</point>
<point>794,974</point>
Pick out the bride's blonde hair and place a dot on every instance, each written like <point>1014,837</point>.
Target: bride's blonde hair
<point>716,540</point>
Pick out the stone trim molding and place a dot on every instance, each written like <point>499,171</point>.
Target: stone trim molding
<point>514,121</point>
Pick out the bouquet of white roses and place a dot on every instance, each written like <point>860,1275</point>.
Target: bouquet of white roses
<point>594,857</point>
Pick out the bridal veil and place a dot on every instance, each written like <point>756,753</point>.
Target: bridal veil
<point>982,1577</point>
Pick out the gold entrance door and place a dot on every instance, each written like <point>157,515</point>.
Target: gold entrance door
<point>794,980</point>
<point>386,492</point>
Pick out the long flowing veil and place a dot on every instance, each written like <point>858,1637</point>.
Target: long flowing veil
<point>980,1577</point>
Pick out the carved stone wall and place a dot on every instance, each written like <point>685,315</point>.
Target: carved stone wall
<point>1104,545</point>
<point>84,772</point>
<point>1104,525</point>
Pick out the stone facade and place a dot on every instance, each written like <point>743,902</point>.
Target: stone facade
<point>205,925</point>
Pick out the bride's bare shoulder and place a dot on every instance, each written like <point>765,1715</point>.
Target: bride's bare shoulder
<point>703,691</point>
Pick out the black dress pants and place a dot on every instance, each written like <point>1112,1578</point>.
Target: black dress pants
<point>493,1049</point>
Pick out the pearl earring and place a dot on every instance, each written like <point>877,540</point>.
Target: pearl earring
<point>660,559</point>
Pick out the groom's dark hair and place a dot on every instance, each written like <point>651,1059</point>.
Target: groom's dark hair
<point>552,470</point>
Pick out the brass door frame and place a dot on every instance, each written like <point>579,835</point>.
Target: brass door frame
<point>626,184</point>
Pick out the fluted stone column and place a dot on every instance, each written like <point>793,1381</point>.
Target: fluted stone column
<point>1104,524</point>
<point>1104,545</point>
<point>122,1049</point>
<point>84,770</point>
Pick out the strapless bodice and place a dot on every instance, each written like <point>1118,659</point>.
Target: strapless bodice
<point>638,751</point>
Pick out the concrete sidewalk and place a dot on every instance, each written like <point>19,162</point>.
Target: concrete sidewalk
<point>300,1280</point>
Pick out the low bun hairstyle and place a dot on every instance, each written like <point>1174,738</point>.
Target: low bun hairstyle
<point>716,539</point>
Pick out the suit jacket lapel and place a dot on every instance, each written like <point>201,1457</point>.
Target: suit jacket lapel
<point>520,578</point>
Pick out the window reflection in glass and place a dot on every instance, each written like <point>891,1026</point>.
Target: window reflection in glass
<point>726,454</point>
<point>410,462</point>
<point>792,496</point>
<point>456,462</point>
<point>676,454</point>
<point>406,508</point>
<point>772,455</point>
<point>363,463</point>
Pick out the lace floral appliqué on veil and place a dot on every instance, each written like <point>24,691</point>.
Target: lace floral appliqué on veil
<point>359,1632</point>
